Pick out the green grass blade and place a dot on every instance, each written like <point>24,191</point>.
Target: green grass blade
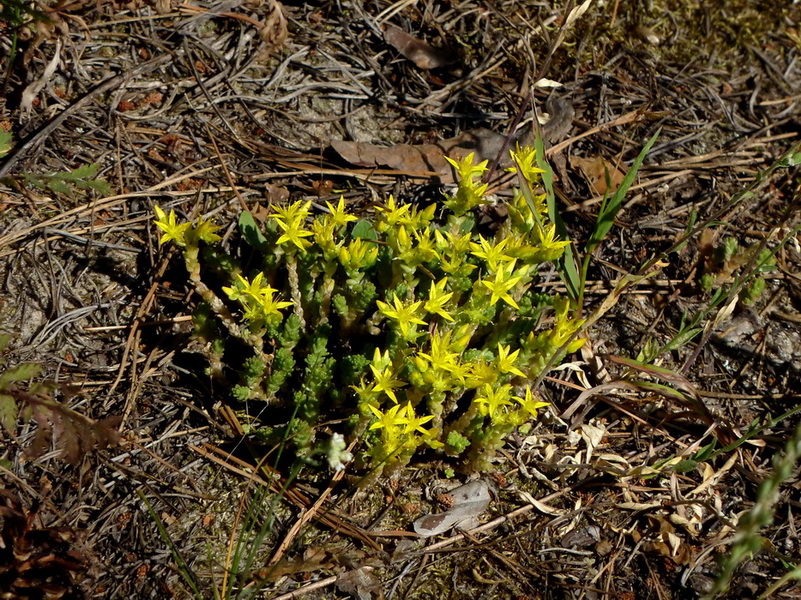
<point>568,264</point>
<point>186,571</point>
<point>611,207</point>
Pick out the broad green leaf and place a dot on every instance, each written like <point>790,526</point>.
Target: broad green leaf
<point>251,232</point>
<point>685,466</point>
<point>22,372</point>
<point>791,160</point>
<point>8,412</point>
<point>363,229</point>
<point>5,339</point>
<point>705,452</point>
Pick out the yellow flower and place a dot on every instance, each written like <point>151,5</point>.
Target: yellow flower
<point>393,215</point>
<point>206,231</point>
<point>390,419</point>
<point>529,404</point>
<point>358,254</point>
<point>413,422</point>
<point>548,241</point>
<point>503,282</point>
<point>481,373</point>
<point>491,400</point>
<point>439,356</point>
<point>506,361</point>
<point>465,168</point>
<point>243,287</point>
<point>172,231</point>
<point>291,220</point>
<point>404,315</point>
<point>493,254</point>
<point>525,160</point>
<point>294,233</point>
<point>257,298</point>
<point>437,298</point>
<point>385,382</point>
<point>339,216</point>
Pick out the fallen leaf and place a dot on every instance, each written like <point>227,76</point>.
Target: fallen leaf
<point>31,92</point>
<point>602,176</point>
<point>592,436</point>
<point>273,29</point>
<point>426,160</point>
<point>422,54</point>
<point>323,187</point>
<point>547,83</point>
<point>469,501</point>
<point>361,584</point>
<point>540,506</point>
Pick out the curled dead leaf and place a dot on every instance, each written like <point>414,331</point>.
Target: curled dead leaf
<point>273,29</point>
<point>469,501</point>
<point>422,54</point>
<point>425,160</point>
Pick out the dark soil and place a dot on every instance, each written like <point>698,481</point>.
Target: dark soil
<point>188,106</point>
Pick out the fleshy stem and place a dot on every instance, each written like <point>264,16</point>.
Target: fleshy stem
<point>191,252</point>
<point>294,286</point>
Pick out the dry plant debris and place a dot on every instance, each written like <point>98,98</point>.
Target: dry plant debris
<point>204,106</point>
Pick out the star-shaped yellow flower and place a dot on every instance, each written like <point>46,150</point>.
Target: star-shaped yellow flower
<point>171,229</point>
<point>339,216</point>
<point>503,282</point>
<point>437,298</point>
<point>506,361</point>
<point>406,316</point>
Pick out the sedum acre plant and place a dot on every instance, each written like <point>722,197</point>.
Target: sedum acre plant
<point>410,329</point>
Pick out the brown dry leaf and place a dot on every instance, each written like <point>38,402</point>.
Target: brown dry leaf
<point>44,560</point>
<point>313,560</point>
<point>163,6</point>
<point>261,212</point>
<point>424,55</point>
<point>468,502</point>
<point>273,30</point>
<point>667,543</point>
<point>602,176</point>
<point>361,584</point>
<point>422,160</point>
<point>322,187</point>
<point>75,434</point>
<point>425,160</point>
<point>275,194</point>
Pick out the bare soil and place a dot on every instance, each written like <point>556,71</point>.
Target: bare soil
<point>199,107</point>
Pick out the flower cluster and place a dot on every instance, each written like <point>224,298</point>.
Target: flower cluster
<point>413,326</point>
